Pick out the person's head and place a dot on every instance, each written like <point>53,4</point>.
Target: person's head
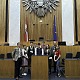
<point>55,42</point>
<point>35,45</point>
<point>39,45</point>
<point>18,44</point>
<point>47,46</point>
<point>31,43</point>
<point>57,48</point>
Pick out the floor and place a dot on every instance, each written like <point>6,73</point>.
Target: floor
<point>52,76</point>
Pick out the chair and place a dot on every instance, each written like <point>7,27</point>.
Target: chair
<point>9,55</point>
<point>41,39</point>
<point>2,56</point>
<point>77,55</point>
<point>6,44</point>
<point>69,55</point>
<point>62,43</point>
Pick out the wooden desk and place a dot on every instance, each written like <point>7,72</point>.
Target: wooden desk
<point>39,68</point>
<point>6,68</point>
<point>72,68</point>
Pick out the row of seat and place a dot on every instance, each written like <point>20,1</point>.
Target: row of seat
<point>8,55</point>
<point>70,55</point>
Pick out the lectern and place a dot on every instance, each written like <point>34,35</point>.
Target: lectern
<point>72,68</point>
<point>7,68</point>
<point>39,68</point>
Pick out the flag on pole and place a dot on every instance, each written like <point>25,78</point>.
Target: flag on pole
<point>26,31</point>
<point>54,30</point>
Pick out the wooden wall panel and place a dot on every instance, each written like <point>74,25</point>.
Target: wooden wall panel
<point>72,68</point>
<point>72,49</point>
<point>7,68</point>
<point>2,20</point>
<point>6,49</point>
<point>44,29</point>
<point>78,18</point>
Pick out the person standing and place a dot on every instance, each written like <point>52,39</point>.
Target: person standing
<point>24,59</point>
<point>57,57</point>
<point>47,52</point>
<point>17,57</point>
<point>39,50</point>
<point>31,51</point>
<point>53,48</point>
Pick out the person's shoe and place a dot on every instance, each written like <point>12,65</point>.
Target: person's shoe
<point>20,76</point>
<point>59,75</point>
<point>24,74</point>
<point>17,78</point>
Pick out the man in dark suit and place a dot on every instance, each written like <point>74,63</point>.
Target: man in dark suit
<point>39,50</point>
<point>31,51</point>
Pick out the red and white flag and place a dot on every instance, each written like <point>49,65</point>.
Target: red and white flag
<point>26,31</point>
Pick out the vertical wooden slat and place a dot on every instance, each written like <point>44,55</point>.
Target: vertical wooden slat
<point>78,18</point>
<point>2,20</point>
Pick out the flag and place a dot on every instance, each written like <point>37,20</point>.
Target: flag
<point>54,30</point>
<point>26,31</point>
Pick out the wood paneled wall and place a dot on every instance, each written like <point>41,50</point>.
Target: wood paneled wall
<point>78,18</point>
<point>6,49</point>
<point>37,29</point>
<point>2,20</point>
<point>72,49</point>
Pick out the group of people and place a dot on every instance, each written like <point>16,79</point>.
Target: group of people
<point>22,57</point>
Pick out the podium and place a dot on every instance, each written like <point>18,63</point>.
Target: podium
<point>39,68</point>
<point>7,68</point>
<point>72,68</point>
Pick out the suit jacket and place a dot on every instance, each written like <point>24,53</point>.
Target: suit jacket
<point>17,53</point>
<point>51,51</point>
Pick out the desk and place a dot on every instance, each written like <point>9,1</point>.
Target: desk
<point>6,68</point>
<point>72,68</point>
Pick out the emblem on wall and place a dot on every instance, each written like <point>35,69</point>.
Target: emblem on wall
<point>40,7</point>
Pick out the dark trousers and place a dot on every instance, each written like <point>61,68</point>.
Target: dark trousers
<point>18,64</point>
<point>29,65</point>
<point>50,64</point>
<point>54,63</point>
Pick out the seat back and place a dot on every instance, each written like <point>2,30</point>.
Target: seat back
<point>2,56</point>
<point>77,55</point>
<point>9,55</point>
<point>41,38</point>
<point>69,55</point>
